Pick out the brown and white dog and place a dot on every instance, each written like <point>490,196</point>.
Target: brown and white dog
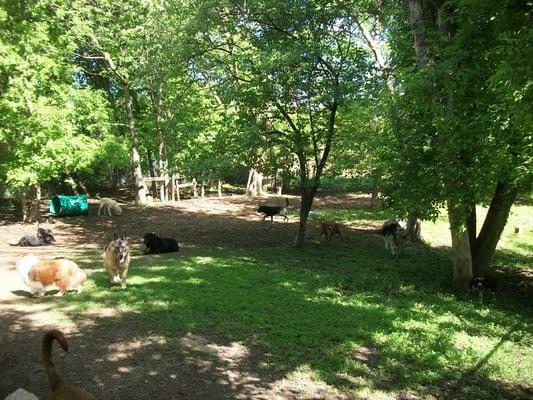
<point>117,260</point>
<point>40,275</point>
<point>59,390</point>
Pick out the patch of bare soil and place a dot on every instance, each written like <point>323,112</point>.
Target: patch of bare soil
<point>118,359</point>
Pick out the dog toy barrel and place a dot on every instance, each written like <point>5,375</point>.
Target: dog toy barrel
<point>69,206</point>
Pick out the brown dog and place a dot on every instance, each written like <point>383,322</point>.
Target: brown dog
<point>39,275</point>
<point>328,230</point>
<point>117,260</point>
<point>59,390</point>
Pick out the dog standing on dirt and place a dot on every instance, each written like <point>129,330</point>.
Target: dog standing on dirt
<point>328,230</point>
<point>270,211</point>
<point>59,390</point>
<point>108,204</point>
<point>43,238</point>
<point>60,273</point>
<point>117,260</point>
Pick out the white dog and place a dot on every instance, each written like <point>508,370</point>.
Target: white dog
<point>108,204</point>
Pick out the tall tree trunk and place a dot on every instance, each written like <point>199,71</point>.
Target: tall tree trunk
<point>495,221</point>
<point>375,192</point>
<point>425,17</point>
<point>153,173</point>
<point>462,258</point>
<point>307,193</point>
<point>471,224</point>
<point>414,227</point>
<point>161,148</point>
<point>140,188</point>
<point>248,191</point>
<point>30,200</point>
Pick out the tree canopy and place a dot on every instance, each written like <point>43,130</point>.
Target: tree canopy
<point>430,99</point>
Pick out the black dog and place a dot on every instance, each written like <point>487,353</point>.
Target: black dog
<point>43,237</point>
<point>480,285</point>
<point>154,244</point>
<point>270,211</point>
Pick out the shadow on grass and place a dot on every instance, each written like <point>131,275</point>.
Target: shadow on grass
<point>344,313</point>
<point>367,323</point>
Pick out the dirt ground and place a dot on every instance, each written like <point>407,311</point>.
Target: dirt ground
<point>106,360</point>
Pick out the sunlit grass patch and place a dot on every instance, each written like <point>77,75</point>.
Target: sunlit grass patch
<point>351,318</point>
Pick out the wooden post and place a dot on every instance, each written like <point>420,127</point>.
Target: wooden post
<point>194,190</point>
<point>161,191</point>
<point>166,187</point>
<point>219,188</point>
<point>173,187</point>
<point>279,190</point>
<point>203,189</point>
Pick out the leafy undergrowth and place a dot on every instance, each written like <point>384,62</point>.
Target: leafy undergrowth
<point>351,316</point>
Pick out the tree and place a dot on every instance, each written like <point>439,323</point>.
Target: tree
<point>50,128</point>
<point>110,34</point>
<point>291,66</point>
<point>458,148</point>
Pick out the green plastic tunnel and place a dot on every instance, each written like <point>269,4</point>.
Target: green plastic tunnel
<point>69,206</point>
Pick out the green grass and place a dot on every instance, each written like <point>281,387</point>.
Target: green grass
<point>351,316</point>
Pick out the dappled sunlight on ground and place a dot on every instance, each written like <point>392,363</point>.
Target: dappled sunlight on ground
<point>237,313</point>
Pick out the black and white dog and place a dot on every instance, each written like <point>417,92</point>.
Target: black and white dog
<point>390,230</point>
<point>43,237</point>
<point>481,285</point>
<point>270,211</point>
<point>154,244</point>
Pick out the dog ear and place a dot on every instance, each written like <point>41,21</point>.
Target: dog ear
<point>114,236</point>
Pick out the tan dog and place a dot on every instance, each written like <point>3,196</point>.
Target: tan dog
<point>117,260</point>
<point>39,275</point>
<point>328,230</point>
<point>59,390</point>
<point>108,204</point>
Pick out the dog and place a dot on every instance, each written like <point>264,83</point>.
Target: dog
<point>117,260</point>
<point>108,204</point>
<point>328,230</point>
<point>61,273</point>
<point>270,211</point>
<point>59,390</point>
<point>480,285</point>
<point>154,244</point>
<point>43,238</point>
<point>389,231</point>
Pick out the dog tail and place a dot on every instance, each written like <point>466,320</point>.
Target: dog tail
<point>53,376</point>
<point>98,196</point>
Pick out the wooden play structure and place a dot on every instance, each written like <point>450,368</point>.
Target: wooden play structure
<point>169,186</point>
<point>256,181</point>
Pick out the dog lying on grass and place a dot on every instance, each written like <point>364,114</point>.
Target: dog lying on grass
<point>59,390</point>
<point>108,204</point>
<point>270,211</point>
<point>60,273</point>
<point>154,244</point>
<point>117,260</point>
<point>43,238</point>
<point>328,230</point>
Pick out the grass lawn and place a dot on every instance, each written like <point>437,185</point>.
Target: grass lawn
<point>345,314</point>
